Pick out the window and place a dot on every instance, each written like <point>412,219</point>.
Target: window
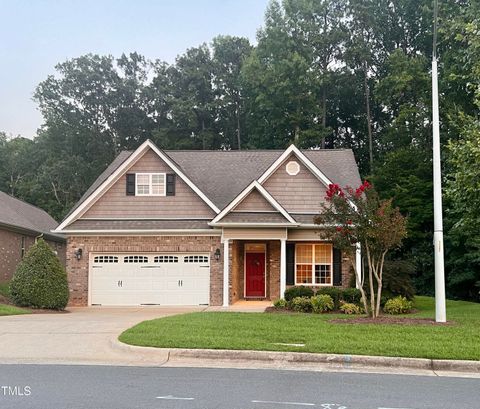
<point>165,259</point>
<point>105,259</point>
<point>22,248</point>
<point>135,259</point>
<point>150,184</point>
<point>292,168</point>
<point>195,259</point>
<point>313,264</point>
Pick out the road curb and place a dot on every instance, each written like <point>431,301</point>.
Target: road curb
<point>292,358</point>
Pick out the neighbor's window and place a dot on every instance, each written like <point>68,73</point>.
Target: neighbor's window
<point>22,248</point>
<point>313,264</point>
<point>150,184</point>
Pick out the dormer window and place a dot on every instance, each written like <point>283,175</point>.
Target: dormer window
<point>150,184</point>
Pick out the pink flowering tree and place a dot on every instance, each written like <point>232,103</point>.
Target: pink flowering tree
<point>358,218</point>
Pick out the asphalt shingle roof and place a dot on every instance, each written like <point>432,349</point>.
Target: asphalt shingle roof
<point>19,214</point>
<point>222,175</point>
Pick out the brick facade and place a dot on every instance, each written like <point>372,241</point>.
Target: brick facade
<point>11,251</point>
<point>78,269</point>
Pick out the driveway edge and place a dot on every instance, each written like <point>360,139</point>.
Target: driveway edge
<point>300,358</point>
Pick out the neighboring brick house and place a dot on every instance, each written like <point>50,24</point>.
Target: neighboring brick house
<point>20,224</point>
<point>204,227</point>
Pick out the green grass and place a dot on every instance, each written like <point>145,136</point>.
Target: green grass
<point>11,310</point>
<point>263,331</point>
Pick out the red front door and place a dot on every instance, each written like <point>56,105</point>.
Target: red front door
<point>255,275</point>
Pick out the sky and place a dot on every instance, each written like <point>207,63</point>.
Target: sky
<point>35,35</point>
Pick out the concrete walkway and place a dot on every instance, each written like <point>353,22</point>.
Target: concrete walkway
<point>81,336</point>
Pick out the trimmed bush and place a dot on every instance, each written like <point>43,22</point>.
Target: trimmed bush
<point>280,303</point>
<point>40,281</point>
<point>351,295</point>
<point>322,303</point>
<point>333,292</point>
<point>301,304</point>
<point>398,305</point>
<point>300,291</point>
<point>350,309</point>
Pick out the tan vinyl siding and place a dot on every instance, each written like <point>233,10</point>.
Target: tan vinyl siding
<point>310,234</point>
<point>300,193</point>
<point>115,202</point>
<point>254,202</point>
<point>255,234</point>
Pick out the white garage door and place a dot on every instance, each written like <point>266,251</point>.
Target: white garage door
<point>162,279</point>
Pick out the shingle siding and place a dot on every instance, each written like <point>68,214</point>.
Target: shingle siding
<point>116,203</point>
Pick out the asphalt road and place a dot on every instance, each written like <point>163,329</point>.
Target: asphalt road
<point>98,387</point>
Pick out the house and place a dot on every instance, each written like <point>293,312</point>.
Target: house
<point>20,224</point>
<point>204,227</point>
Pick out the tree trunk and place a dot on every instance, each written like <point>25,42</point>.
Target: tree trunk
<point>239,140</point>
<point>297,135</point>
<point>369,118</point>
<point>324,115</point>
<point>370,279</point>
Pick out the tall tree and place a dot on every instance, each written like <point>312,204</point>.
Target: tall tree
<point>229,55</point>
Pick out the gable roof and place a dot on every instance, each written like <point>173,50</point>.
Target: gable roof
<point>122,168</point>
<point>238,199</point>
<point>18,214</point>
<point>223,175</point>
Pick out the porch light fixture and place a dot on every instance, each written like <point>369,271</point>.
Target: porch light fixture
<point>78,254</point>
<point>217,254</point>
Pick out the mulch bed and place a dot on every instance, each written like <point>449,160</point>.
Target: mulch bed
<point>383,319</point>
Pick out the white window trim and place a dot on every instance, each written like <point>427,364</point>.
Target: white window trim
<point>150,177</point>
<point>312,264</point>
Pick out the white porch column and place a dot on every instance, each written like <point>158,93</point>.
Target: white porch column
<point>358,263</point>
<point>226,272</point>
<point>283,266</point>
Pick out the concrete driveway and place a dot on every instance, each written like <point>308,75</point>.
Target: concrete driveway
<point>81,336</point>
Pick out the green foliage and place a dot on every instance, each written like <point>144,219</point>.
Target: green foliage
<point>298,291</point>
<point>40,280</point>
<point>334,293</point>
<point>397,279</point>
<point>350,309</point>
<point>322,303</point>
<point>351,295</point>
<point>280,303</point>
<point>398,305</point>
<point>301,304</point>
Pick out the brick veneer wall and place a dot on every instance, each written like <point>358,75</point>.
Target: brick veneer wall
<point>11,251</point>
<point>78,269</point>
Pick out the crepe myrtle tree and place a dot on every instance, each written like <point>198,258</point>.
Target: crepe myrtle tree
<point>352,218</point>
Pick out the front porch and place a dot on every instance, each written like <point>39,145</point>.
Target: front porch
<point>259,265</point>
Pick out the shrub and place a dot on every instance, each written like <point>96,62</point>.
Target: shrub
<point>40,281</point>
<point>322,303</point>
<point>397,279</point>
<point>333,292</point>
<point>350,309</point>
<point>398,305</point>
<point>300,291</point>
<point>280,303</point>
<point>351,295</point>
<point>301,304</point>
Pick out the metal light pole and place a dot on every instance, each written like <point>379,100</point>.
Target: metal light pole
<point>440,307</point>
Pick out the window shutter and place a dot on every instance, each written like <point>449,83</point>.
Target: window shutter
<point>130,184</point>
<point>171,184</point>
<point>337,267</point>
<point>290,264</point>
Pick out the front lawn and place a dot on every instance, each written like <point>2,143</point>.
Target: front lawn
<point>11,310</point>
<point>270,332</point>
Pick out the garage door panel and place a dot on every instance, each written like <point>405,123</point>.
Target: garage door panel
<point>164,279</point>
